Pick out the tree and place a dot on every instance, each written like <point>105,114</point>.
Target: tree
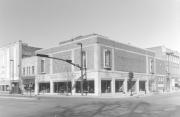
<point>69,77</point>
<point>131,76</point>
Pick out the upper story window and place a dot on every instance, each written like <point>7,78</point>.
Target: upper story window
<point>23,70</point>
<point>107,59</point>
<point>42,66</point>
<point>84,59</point>
<point>151,66</point>
<point>33,70</point>
<point>27,70</point>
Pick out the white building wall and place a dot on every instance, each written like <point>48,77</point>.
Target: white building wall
<point>10,63</point>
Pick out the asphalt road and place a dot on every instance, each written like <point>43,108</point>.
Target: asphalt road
<point>167,105</point>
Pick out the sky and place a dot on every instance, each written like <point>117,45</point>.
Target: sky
<point>44,23</point>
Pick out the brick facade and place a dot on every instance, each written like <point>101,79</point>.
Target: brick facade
<point>122,59</point>
<point>128,61</point>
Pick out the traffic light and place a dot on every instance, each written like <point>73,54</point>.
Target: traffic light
<point>69,61</point>
<point>42,55</point>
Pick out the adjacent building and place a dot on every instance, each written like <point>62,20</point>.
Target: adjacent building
<point>29,71</point>
<point>11,56</point>
<point>170,61</point>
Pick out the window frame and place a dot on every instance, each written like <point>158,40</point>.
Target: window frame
<point>33,70</point>
<point>151,62</point>
<point>104,57</point>
<point>24,71</point>
<point>42,72</point>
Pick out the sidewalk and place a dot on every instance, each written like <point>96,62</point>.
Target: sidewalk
<point>17,96</point>
<point>32,96</point>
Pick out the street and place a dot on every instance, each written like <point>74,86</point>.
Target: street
<point>164,105</point>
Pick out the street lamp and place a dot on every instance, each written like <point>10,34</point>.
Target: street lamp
<point>151,81</point>
<point>81,68</point>
<point>12,75</point>
<point>168,73</point>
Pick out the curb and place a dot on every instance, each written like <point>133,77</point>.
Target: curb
<point>36,97</point>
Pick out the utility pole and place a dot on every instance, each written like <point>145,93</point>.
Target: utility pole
<point>81,67</point>
<point>168,73</point>
<point>131,76</point>
<point>12,75</point>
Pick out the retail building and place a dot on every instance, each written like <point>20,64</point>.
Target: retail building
<point>107,62</point>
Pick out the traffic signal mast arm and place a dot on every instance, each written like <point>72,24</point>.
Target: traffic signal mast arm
<point>65,60</point>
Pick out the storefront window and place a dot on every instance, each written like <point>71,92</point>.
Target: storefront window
<point>29,84</point>
<point>141,85</point>
<point>62,87</point>
<point>78,86</point>
<point>106,86</point>
<point>119,85</point>
<point>44,87</point>
<point>88,86</point>
<point>131,85</point>
<point>29,87</point>
<point>4,88</point>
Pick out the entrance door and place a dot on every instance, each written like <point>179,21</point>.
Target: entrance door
<point>142,85</point>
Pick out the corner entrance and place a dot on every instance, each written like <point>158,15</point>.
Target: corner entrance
<point>142,86</point>
<point>106,86</point>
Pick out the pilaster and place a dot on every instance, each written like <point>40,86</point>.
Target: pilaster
<point>113,86</point>
<point>137,85</point>
<point>51,87</point>
<point>125,85</point>
<point>154,65</point>
<point>147,65</point>
<point>97,82</point>
<point>96,57</point>
<point>73,87</point>
<point>36,87</point>
<point>51,65</point>
<point>147,86</point>
<point>113,65</point>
